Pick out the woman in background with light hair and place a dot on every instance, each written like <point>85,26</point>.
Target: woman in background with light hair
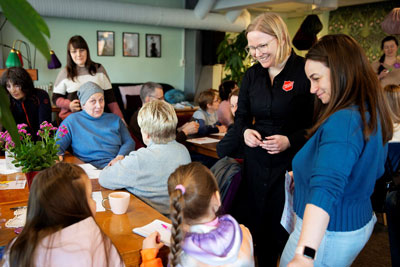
<point>274,109</point>
<point>392,92</point>
<point>145,172</point>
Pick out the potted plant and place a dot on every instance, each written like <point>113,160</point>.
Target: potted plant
<point>231,52</point>
<point>33,156</point>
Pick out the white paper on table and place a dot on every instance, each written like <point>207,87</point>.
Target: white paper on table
<point>218,134</point>
<point>7,185</point>
<point>287,219</point>
<point>91,171</point>
<point>19,219</point>
<point>162,227</point>
<point>4,169</point>
<point>98,197</point>
<point>203,140</point>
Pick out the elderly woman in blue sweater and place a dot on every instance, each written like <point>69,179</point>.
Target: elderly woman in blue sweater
<point>335,171</point>
<point>95,137</point>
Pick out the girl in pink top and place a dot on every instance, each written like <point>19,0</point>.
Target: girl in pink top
<point>60,229</point>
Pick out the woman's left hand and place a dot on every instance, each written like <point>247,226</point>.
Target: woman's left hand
<point>300,260</point>
<point>275,144</point>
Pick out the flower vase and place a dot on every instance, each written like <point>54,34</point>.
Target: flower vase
<point>30,176</point>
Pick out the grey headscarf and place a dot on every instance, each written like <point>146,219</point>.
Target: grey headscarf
<point>87,90</point>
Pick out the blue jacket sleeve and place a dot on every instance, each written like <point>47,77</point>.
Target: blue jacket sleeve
<point>340,147</point>
<point>206,129</point>
<point>128,144</point>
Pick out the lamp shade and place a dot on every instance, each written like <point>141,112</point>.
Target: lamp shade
<point>306,36</point>
<point>54,63</point>
<point>391,23</point>
<point>13,59</point>
<point>20,58</point>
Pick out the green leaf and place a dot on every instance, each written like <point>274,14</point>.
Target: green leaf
<point>231,52</point>
<point>25,18</point>
<point>6,117</point>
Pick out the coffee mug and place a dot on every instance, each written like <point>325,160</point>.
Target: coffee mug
<point>119,202</point>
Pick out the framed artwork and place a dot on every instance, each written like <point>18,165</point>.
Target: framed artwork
<point>130,42</point>
<point>153,45</point>
<point>105,43</point>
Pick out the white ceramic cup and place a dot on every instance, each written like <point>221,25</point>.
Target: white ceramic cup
<point>119,202</point>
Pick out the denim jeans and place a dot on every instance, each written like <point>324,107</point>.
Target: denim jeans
<point>336,248</point>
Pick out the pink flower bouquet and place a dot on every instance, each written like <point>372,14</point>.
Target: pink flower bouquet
<point>31,155</point>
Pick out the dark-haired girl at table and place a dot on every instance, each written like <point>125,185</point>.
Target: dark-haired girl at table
<point>79,70</point>
<point>62,232</point>
<point>27,104</point>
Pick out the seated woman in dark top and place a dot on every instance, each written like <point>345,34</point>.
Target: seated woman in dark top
<point>28,104</point>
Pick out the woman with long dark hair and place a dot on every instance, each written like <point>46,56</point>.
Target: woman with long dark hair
<point>60,229</point>
<point>79,70</point>
<point>336,170</point>
<point>28,104</point>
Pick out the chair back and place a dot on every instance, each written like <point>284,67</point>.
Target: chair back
<point>228,173</point>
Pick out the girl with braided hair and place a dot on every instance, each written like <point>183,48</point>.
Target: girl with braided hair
<point>198,236</point>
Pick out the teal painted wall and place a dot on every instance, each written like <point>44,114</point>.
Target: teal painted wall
<point>166,69</point>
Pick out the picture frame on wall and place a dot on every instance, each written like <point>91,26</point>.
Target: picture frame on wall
<point>153,45</point>
<point>105,43</point>
<point>130,44</point>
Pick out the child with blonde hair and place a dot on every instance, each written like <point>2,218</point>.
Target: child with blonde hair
<point>198,236</point>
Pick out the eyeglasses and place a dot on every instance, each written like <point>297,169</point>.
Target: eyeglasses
<point>262,48</point>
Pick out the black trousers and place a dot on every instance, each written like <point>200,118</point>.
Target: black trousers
<point>260,202</point>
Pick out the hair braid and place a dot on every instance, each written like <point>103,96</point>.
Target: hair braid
<point>177,234</point>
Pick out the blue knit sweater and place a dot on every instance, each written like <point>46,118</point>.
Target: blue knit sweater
<point>336,170</point>
<point>96,140</point>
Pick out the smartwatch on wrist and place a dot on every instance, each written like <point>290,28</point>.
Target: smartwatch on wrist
<point>306,252</point>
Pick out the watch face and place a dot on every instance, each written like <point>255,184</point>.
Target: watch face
<point>309,252</point>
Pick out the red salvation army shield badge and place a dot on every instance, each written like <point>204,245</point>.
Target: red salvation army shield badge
<point>287,85</point>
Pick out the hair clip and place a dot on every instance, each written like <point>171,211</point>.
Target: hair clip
<point>180,187</point>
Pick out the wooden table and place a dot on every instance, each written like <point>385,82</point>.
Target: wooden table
<point>117,227</point>
<point>186,111</point>
<point>209,149</point>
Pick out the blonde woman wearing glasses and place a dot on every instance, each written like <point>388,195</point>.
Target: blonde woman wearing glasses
<point>275,107</point>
